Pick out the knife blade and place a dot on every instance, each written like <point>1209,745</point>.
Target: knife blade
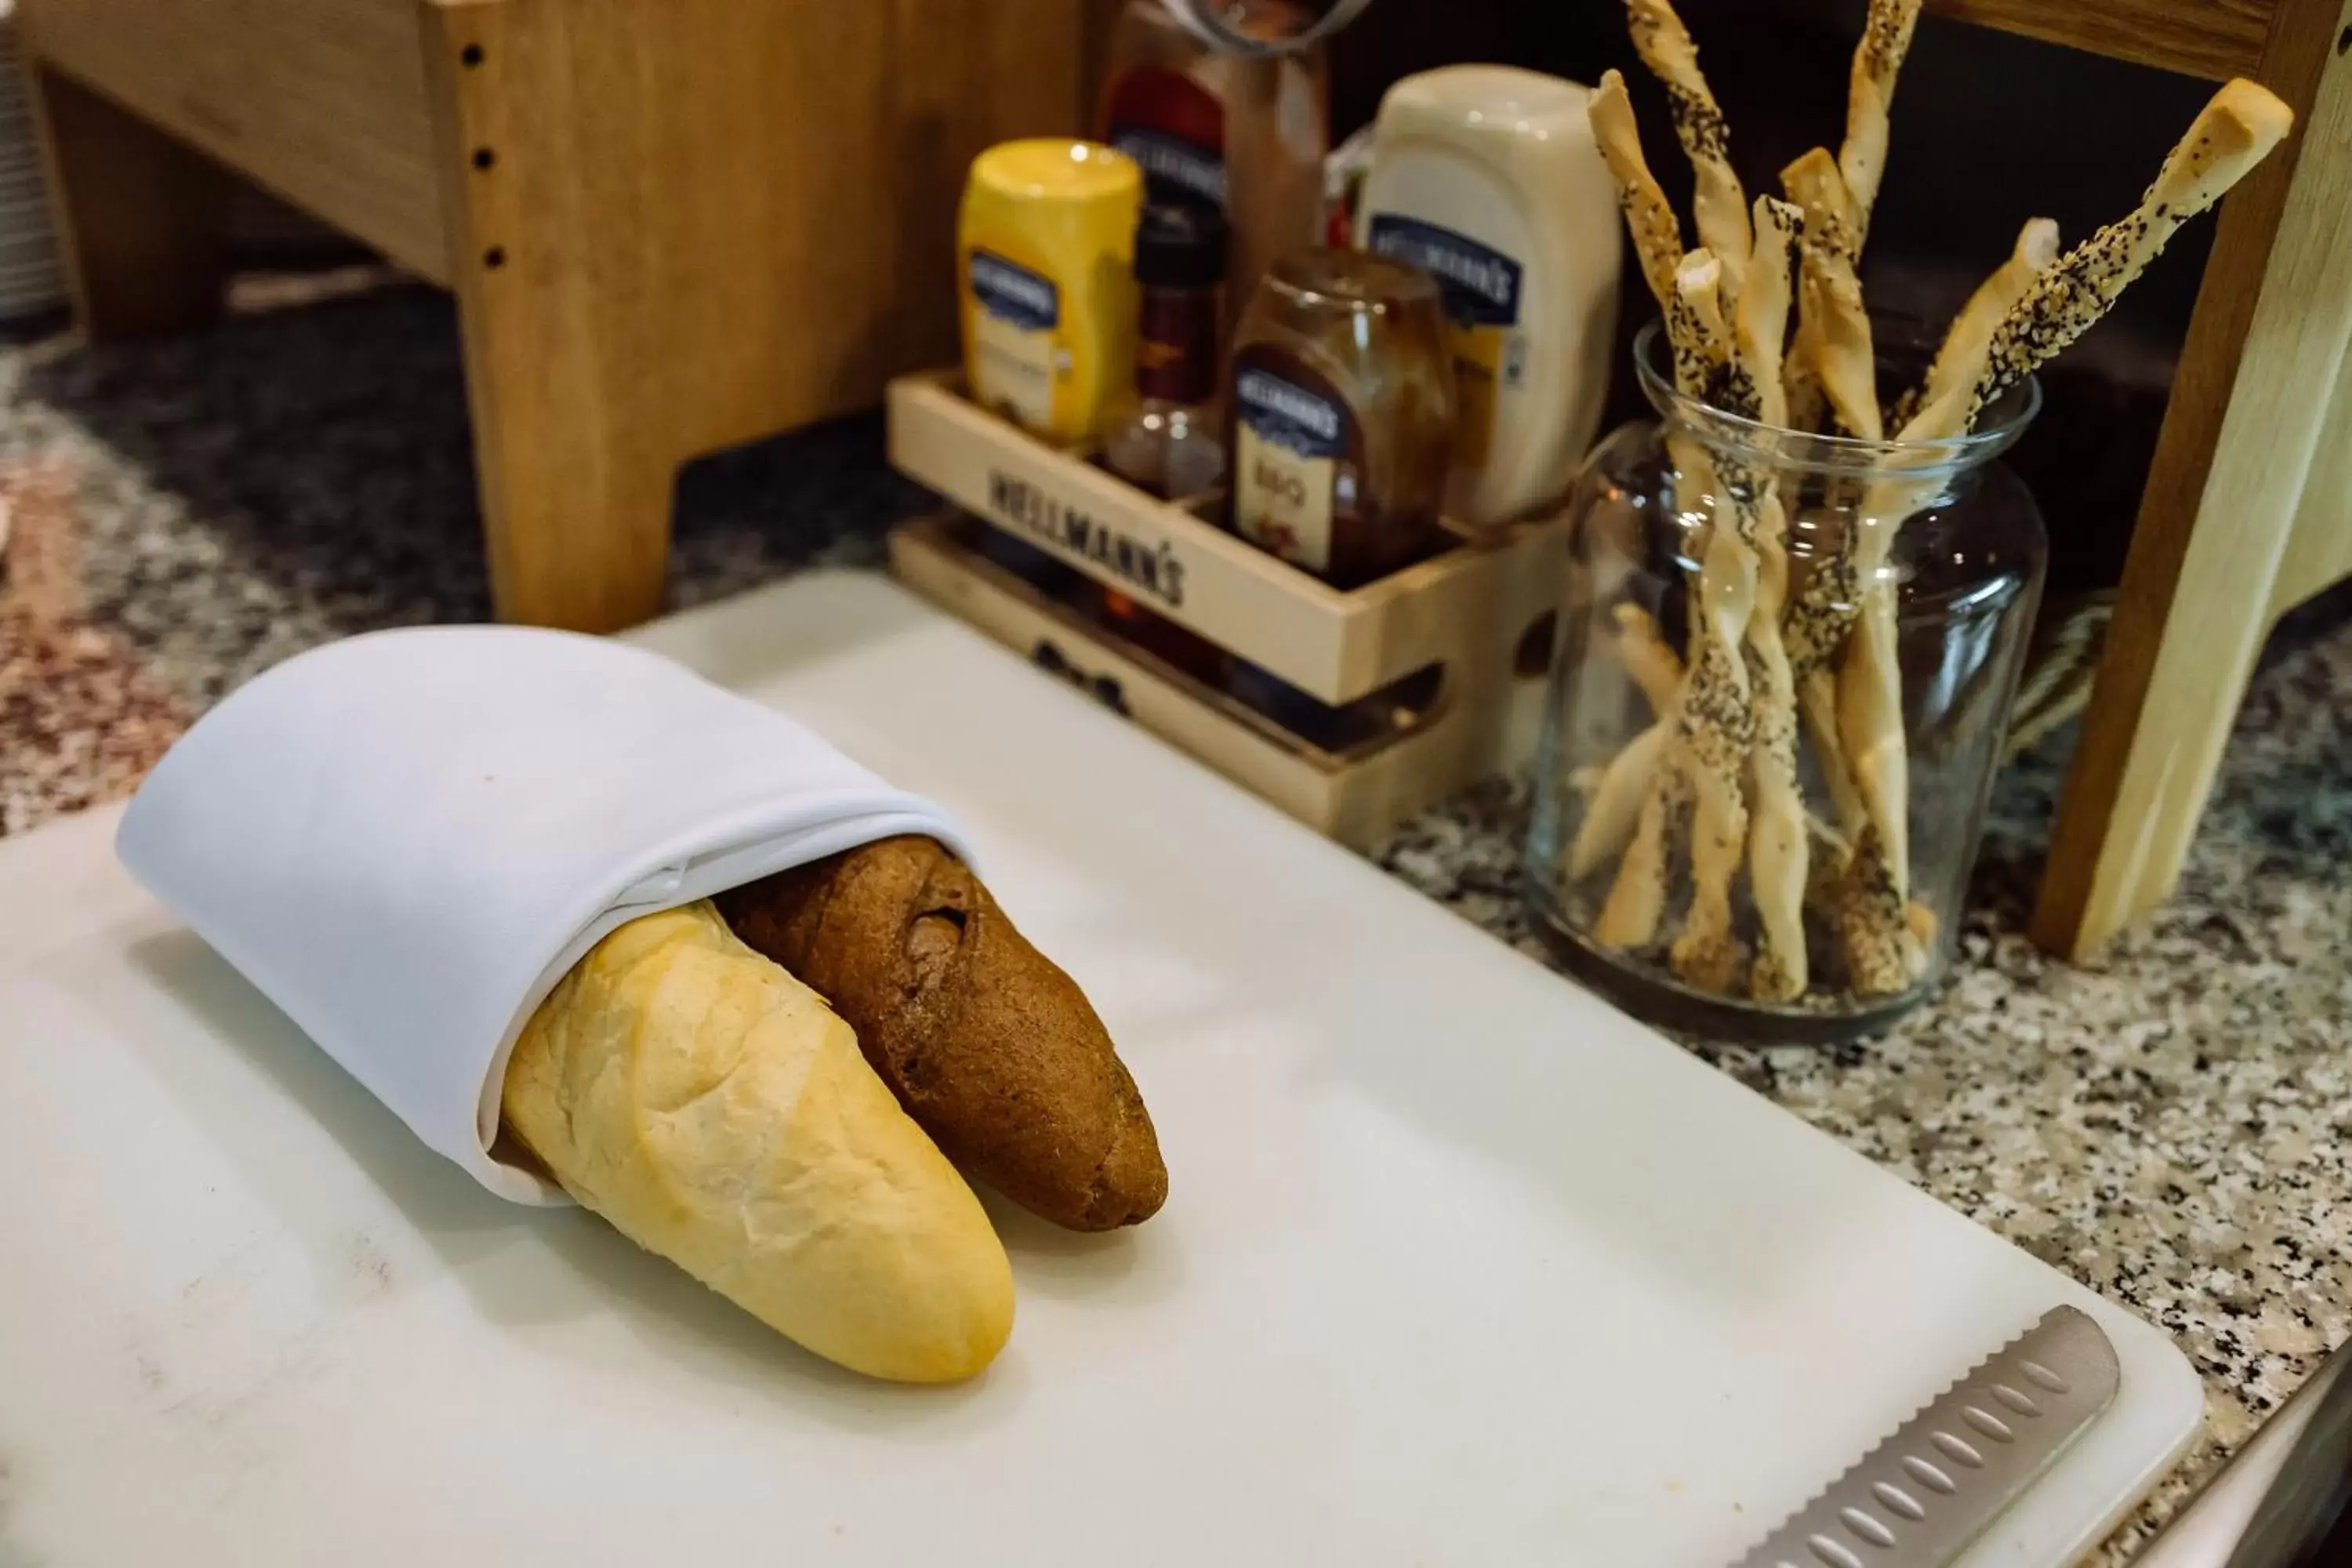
<point>1919,1498</point>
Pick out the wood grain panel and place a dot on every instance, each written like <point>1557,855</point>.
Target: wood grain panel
<point>2215,39</point>
<point>320,100</point>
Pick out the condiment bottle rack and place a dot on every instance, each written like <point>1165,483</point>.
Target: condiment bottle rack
<point>1456,645</point>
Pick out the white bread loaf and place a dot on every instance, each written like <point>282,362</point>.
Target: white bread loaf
<point>718,1112</point>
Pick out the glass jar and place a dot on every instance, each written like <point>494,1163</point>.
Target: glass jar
<point>1775,845</point>
<point>1340,409</point>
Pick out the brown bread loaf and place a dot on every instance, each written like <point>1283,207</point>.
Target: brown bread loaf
<point>990,1048</point>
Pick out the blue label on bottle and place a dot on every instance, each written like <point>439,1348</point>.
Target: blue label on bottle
<point>1289,415</point>
<point>1012,293</point>
<point>1480,284</point>
<point>1173,166</point>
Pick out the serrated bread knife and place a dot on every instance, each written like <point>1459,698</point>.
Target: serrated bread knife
<point>1918,1499</point>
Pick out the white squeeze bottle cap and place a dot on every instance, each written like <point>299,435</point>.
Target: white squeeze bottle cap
<point>1488,177</point>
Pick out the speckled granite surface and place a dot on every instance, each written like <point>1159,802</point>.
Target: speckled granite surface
<point>2174,1127</point>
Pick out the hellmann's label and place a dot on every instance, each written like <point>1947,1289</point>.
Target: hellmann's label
<point>1173,166</point>
<point>1149,568</point>
<point>1017,315</point>
<point>1290,444</point>
<point>1480,290</point>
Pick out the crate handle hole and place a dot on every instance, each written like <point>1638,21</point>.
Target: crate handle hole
<point>1531,660</point>
<point>471,56</point>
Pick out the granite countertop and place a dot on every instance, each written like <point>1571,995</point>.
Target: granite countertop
<point>2172,1127</point>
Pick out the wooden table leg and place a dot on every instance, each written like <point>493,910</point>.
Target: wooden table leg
<point>141,217</point>
<point>577,443</point>
<point>2250,404</point>
<point>575,504</point>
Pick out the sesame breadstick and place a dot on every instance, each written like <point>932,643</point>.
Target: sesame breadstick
<point>1762,318</point>
<point>1844,361</point>
<point>1813,182</point>
<point>1612,814</point>
<point>1637,897</point>
<point>1960,359</point>
<point>1834,334</point>
<point>1656,668</point>
<point>1779,850</point>
<point>1718,205</point>
<point>1868,696</point>
<point>1870,96</point>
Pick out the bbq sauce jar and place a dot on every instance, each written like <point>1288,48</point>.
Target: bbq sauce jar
<point>1340,412</point>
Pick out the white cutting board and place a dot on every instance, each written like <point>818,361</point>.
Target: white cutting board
<point>1459,1267</point>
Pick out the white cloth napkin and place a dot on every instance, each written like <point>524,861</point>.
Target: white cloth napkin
<point>406,839</point>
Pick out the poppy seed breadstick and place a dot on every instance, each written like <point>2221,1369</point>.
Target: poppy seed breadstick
<point>1779,851</point>
<point>1701,773</point>
<point>1718,205</point>
<point>1717,717</point>
<point>2234,132</point>
<point>1657,234</point>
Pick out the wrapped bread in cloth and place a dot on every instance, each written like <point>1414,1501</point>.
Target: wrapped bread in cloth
<point>473,864</point>
<point>991,1048</point>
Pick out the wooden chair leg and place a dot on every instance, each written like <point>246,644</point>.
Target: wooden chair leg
<point>141,217</point>
<point>2250,407</point>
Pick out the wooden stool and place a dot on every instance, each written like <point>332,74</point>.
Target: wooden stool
<point>2248,509</point>
<point>672,226</point>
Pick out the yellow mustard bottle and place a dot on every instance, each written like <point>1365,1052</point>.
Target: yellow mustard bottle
<point>1045,260</point>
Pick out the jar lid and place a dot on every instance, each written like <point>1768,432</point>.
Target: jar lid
<point>1332,276</point>
<point>1180,244</point>
<point>1057,168</point>
<point>1485,99</point>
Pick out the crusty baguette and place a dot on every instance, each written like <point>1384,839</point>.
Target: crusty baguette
<point>715,1112</point>
<point>993,1050</point>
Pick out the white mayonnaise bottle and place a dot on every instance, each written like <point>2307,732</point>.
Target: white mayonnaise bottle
<point>1488,177</point>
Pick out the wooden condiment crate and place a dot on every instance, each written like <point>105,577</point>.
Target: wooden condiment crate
<point>1454,648</point>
